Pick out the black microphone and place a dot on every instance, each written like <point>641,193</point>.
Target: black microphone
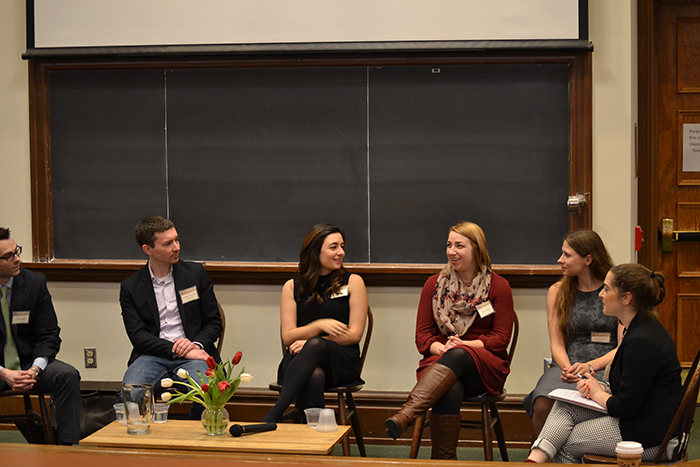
<point>238,430</point>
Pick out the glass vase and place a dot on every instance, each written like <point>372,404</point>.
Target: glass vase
<point>215,420</point>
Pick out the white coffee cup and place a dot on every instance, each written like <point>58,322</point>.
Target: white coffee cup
<point>629,453</point>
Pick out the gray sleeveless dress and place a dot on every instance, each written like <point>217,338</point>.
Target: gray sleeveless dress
<point>586,317</point>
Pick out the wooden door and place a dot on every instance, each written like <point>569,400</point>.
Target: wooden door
<point>669,182</point>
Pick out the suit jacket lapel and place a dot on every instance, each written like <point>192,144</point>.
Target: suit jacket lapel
<point>147,290</point>
<point>19,297</point>
<point>177,274</point>
<point>19,293</point>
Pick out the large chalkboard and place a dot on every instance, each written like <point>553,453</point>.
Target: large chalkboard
<point>245,160</point>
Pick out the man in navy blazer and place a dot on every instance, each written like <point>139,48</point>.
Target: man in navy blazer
<point>169,309</point>
<point>28,351</point>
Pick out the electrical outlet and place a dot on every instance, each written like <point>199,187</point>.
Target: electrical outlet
<point>90,357</point>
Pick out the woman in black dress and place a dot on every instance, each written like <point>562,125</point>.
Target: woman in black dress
<point>322,315</point>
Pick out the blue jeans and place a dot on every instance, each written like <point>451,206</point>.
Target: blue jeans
<point>148,369</point>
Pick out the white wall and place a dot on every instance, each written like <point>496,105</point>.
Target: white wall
<point>89,313</point>
<point>86,23</point>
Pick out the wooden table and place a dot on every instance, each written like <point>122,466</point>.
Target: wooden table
<point>35,455</point>
<point>288,438</point>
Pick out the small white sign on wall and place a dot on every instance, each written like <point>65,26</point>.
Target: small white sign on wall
<point>691,147</point>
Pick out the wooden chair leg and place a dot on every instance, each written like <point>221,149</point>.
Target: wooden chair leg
<point>417,436</point>
<point>356,427</point>
<point>486,431</point>
<point>29,414</point>
<point>498,428</point>
<point>344,421</point>
<point>46,420</point>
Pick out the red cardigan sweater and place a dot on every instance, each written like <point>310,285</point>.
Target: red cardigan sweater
<point>494,331</point>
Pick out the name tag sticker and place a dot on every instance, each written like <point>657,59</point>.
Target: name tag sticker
<point>343,292</point>
<point>189,295</point>
<point>600,337</point>
<point>485,309</point>
<point>20,317</point>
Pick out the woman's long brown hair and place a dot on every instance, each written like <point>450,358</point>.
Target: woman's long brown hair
<point>584,242</point>
<point>310,265</point>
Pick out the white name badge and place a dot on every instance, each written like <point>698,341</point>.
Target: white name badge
<point>485,309</point>
<point>343,292</point>
<point>600,337</point>
<point>20,317</point>
<point>189,295</point>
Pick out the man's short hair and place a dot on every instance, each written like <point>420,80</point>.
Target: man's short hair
<point>4,233</point>
<point>148,227</point>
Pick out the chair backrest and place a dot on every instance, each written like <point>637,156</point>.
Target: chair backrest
<point>513,338</point>
<point>220,342</point>
<point>683,420</point>
<point>368,334</point>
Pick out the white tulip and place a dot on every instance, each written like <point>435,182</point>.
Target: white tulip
<point>166,396</point>
<point>246,377</point>
<point>182,373</point>
<point>166,382</point>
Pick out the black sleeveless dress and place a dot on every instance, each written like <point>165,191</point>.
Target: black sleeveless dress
<point>344,360</point>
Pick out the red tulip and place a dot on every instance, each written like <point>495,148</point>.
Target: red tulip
<point>209,372</point>
<point>223,385</point>
<point>237,358</point>
<point>205,387</point>
<point>211,363</point>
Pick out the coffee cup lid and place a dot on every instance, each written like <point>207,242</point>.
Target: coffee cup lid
<point>629,447</point>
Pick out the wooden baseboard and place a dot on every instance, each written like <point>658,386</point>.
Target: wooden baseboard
<point>374,407</point>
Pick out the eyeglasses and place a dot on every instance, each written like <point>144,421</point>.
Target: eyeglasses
<point>11,256</point>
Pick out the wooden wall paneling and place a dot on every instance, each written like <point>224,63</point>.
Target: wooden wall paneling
<point>688,324</point>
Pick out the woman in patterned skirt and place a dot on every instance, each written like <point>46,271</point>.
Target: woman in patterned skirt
<point>644,388</point>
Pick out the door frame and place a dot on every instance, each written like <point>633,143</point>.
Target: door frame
<point>647,163</point>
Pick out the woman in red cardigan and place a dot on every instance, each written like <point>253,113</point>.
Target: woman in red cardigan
<point>464,324</point>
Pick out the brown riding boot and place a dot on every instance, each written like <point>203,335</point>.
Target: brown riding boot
<point>444,434</point>
<point>436,380</point>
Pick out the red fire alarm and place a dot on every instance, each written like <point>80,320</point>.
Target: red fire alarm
<point>638,238</point>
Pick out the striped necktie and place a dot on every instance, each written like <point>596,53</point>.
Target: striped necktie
<point>10,351</point>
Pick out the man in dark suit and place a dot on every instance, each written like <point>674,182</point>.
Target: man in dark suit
<point>169,309</point>
<point>29,341</point>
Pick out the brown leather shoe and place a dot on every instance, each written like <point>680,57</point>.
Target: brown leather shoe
<point>444,434</point>
<point>396,425</point>
<point>435,381</point>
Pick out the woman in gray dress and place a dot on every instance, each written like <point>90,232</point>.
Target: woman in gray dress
<point>582,339</point>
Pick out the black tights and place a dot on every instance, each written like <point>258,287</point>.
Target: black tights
<point>468,381</point>
<point>304,379</point>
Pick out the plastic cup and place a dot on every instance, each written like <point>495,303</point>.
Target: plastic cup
<point>161,413</point>
<point>326,421</point>
<point>312,416</point>
<point>629,453</point>
<point>138,406</point>
<point>119,411</point>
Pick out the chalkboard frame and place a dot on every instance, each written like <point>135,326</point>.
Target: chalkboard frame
<point>580,158</point>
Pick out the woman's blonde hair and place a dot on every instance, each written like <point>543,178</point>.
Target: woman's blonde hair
<point>478,240</point>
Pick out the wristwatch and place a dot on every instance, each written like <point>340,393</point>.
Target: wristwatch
<point>36,373</point>
<point>590,368</point>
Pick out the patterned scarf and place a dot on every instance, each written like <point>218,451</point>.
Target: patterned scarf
<point>454,304</point>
